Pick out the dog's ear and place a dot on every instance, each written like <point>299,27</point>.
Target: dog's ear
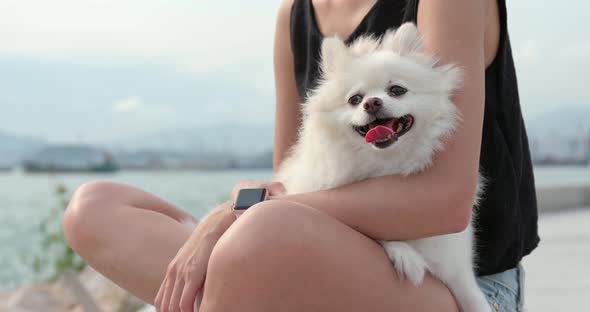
<point>405,40</point>
<point>334,53</point>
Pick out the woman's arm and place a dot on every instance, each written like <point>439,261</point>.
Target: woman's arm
<point>287,113</point>
<point>438,200</point>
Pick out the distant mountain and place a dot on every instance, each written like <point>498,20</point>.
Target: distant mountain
<point>570,121</point>
<point>13,148</point>
<point>239,140</point>
<point>560,133</point>
<point>14,142</point>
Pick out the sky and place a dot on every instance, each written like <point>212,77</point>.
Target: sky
<point>97,70</point>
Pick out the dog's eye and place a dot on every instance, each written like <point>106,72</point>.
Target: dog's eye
<point>355,99</point>
<point>396,90</point>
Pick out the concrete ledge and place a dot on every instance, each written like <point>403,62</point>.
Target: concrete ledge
<point>557,198</point>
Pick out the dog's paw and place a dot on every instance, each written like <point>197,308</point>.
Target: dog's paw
<point>408,263</point>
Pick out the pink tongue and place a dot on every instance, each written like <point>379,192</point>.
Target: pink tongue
<point>378,133</point>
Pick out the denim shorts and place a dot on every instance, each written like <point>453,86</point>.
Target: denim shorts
<point>504,290</point>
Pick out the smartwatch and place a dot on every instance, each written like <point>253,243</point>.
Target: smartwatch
<point>248,197</point>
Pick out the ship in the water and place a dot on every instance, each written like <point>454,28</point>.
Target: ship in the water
<point>71,158</point>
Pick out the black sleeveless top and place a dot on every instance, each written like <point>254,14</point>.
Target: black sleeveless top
<point>507,217</point>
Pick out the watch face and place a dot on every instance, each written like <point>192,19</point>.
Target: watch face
<point>248,197</point>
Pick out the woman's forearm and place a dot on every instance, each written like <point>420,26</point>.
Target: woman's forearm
<point>222,217</point>
<point>396,207</point>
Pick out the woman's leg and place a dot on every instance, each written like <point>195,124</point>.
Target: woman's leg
<point>278,254</point>
<point>126,234</point>
<point>283,256</point>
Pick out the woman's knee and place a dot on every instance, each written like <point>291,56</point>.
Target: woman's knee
<point>269,235</point>
<point>86,205</point>
<point>263,254</point>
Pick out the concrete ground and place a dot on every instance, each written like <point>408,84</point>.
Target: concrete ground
<point>558,272</point>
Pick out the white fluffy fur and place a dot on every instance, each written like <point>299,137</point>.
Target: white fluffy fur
<point>329,153</point>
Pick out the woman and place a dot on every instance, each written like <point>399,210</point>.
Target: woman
<point>316,251</point>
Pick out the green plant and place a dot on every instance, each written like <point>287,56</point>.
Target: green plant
<point>56,256</point>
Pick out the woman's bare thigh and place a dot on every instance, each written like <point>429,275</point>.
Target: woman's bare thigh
<point>290,257</point>
<point>128,235</point>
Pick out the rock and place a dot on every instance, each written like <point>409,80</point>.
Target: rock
<point>37,297</point>
<point>57,297</point>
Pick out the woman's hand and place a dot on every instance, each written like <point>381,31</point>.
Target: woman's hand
<point>185,275</point>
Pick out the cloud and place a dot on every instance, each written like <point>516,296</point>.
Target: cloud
<point>578,51</point>
<point>528,53</point>
<point>128,105</point>
<point>552,55</point>
<point>141,65</point>
<point>193,35</point>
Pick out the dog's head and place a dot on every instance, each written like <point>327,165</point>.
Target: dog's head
<point>383,93</point>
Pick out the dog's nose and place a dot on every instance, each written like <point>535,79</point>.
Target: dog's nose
<point>373,105</point>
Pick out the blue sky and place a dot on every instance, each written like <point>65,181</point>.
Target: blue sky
<point>96,70</point>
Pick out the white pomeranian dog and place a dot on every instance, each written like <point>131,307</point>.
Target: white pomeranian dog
<point>382,107</point>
